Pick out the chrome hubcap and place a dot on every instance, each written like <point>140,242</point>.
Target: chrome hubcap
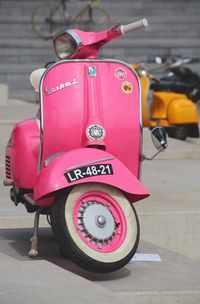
<point>101,221</point>
<point>96,223</point>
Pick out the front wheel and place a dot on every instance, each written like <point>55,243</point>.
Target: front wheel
<point>96,227</point>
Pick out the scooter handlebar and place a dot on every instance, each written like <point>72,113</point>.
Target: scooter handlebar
<point>134,26</point>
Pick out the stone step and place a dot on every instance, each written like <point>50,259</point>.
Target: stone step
<point>20,46</point>
<point>150,48</point>
<point>39,51</point>
<point>154,30</point>
<point>16,76</point>
<point>161,20</point>
<point>132,9</point>
<point>125,42</point>
<point>26,68</point>
<point>22,94</point>
<point>181,6</point>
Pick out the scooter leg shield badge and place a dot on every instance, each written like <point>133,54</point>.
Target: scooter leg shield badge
<point>82,154</point>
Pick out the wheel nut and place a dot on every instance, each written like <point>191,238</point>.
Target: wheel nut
<point>101,221</point>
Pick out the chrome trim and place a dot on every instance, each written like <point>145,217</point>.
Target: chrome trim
<point>89,163</point>
<point>76,37</point>
<point>37,122</point>
<point>141,130</point>
<point>51,157</point>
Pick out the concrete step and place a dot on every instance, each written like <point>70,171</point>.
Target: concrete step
<point>128,41</point>
<point>16,76</point>
<point>161,20</point>
<point>145,7</point>
<point>149,48</point>
<point>159,31</point>
<point>20,46</point>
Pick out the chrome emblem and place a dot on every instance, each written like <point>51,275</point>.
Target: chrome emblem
<point>60,87</point>
<point>92,71</point>
<point>95,132</point>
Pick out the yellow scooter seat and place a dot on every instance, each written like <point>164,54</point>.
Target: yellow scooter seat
<point>178,87</point>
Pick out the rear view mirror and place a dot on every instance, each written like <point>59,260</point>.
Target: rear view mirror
<point>159,138</point>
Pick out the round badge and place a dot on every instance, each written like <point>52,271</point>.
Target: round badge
<point>120,74</point>
<point>95,132</point>
<point>127,87</point>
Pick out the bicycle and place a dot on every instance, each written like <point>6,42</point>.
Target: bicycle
<point>48,18</point>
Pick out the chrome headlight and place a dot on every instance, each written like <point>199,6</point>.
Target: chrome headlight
<point>66,44</point>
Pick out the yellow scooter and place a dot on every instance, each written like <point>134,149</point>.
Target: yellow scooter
<point>170,106</point>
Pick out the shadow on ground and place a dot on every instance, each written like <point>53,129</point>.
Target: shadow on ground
<point>15,243</point>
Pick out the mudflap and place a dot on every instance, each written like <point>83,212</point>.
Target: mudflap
<point>86,165</point>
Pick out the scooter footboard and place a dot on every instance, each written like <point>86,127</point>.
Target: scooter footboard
<point>87,165</point>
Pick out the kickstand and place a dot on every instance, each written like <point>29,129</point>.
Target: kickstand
<point>33,253</point>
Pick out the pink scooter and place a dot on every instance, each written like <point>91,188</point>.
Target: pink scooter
<point>79,162</point>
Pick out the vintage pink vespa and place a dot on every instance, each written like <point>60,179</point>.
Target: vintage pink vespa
<point>79,162</point>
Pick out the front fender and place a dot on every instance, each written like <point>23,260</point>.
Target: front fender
<point>52,177</point>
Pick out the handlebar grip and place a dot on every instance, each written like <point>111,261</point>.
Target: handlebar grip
<point>133,26</point>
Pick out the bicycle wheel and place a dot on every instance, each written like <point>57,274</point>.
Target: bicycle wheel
<point>93,18</point>
<point>47,19</point>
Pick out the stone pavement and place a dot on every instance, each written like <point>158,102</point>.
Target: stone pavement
<point>51,279</point>
<point>170,217</point>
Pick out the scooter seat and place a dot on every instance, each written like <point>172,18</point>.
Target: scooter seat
<point>177,87</point>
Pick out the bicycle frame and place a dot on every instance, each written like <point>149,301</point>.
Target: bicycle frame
<point>86,8</point>
<point>49,18</point>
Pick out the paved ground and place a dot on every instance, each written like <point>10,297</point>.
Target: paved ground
<point>51,279</point>
<point>173,180</point>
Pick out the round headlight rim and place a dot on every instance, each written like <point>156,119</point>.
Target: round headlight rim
<point>75,38</point>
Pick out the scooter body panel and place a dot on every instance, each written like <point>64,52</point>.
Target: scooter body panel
<point>82,166</point>
<point>22,154</point>
<point>183,111</point>
<point>78,94</point>
<point>172,108</point>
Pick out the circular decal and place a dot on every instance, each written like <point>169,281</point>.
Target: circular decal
<point>95,132</point>
<point>127,87</point>
<point>120,74</point>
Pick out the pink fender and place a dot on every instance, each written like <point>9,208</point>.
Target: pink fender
<point>52,178</point>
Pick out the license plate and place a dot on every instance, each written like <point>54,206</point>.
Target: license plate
<point>88,171</point>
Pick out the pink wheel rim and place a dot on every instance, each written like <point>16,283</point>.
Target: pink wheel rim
<point>99,221</point>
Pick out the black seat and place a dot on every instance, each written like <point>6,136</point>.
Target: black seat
<point>177,87</point>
